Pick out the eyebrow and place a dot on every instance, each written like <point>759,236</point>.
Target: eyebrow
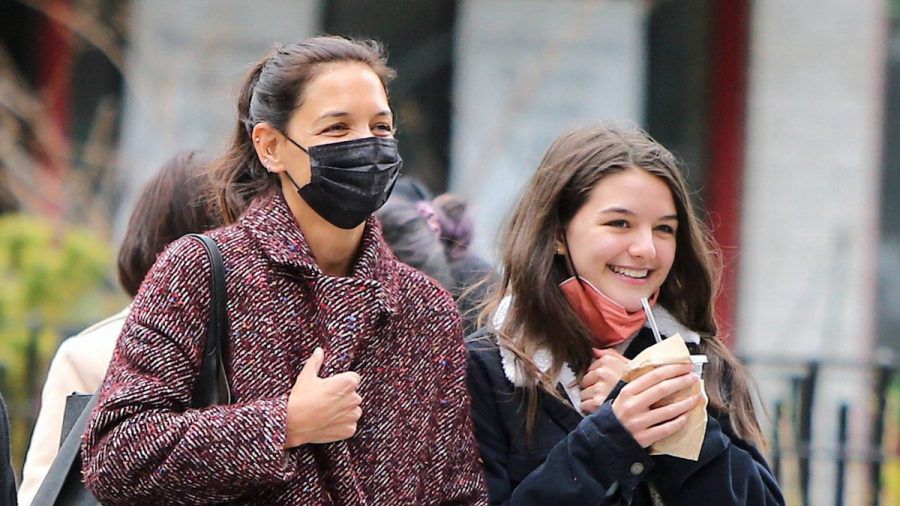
<point>341,114</point>
<point>628,212</point>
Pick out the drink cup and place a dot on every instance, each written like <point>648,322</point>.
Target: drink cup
<point>698,361</point>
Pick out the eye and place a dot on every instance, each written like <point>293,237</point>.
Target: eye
<point>383,129</point>
<point>617,224</point>
<point>337,127</point>
<point>666,229</point>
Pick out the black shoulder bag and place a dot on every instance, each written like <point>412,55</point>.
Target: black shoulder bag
<point>63,485</point>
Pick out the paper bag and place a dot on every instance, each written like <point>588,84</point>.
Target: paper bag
<point>686,442</point>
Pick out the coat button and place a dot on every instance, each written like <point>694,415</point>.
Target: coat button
<point>637,468</point>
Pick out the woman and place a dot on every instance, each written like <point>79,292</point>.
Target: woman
<point>171,204</point>
<point>346,367</point>
<point>605,221</point>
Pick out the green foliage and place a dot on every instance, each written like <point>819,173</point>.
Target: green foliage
<point>52,278</point>
<point>891,467</point>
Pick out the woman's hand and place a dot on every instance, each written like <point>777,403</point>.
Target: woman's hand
<point>322,410</point>
<point>602,376</point>
<point>636,409</point>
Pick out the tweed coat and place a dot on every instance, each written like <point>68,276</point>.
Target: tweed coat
<point>388,322</point>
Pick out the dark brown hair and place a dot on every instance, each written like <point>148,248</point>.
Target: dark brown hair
<point>272,90</point>
<point>170,205</point>
<point>540,317</point>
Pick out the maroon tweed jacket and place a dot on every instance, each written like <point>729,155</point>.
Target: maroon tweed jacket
<point>388,322</point>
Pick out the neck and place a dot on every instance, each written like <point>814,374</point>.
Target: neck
<point>334,248</point>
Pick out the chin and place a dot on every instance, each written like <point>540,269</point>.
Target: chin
<point>634,308</point>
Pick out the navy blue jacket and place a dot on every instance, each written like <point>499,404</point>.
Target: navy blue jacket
<point>7,478</point>
<point>594,459</point>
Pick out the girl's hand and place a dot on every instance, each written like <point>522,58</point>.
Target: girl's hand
<point>636,409</point>
<point>322,410</point>
<point>602,376</point>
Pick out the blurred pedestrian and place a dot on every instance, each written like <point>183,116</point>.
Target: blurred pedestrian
<point>7,477</point>
<point>411,190</point>
<point>413,240</point>
<point>605,221</point>
<point>347,367</point>
<point>171,204</point>
<point>472,275</point>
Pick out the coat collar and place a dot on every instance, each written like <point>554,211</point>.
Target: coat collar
<point>567,379</point>
<point>272,225</point>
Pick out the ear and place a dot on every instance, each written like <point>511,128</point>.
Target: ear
<point>560,243</point>
<point>266,141</point>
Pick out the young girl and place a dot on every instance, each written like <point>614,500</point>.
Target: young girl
<point>347,368</point>
<point>605,221</point>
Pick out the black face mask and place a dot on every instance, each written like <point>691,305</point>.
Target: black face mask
<point>350,180</point>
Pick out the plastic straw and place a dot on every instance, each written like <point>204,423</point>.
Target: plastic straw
<point>651,319</point>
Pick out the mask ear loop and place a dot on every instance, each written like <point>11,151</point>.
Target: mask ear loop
<point>569,263</point>
<point>288,174</point>
<point>292,141</point>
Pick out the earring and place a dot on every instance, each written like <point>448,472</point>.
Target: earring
<point>257,139</point>
<point>559,250</point>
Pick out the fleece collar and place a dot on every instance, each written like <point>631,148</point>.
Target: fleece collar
<point>543,359</point>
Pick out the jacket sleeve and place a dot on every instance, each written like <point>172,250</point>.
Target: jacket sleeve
<point>597,463</point>
<point>728,471</point>
<point>7,478</point>
<point>143,443</point>
<point>456,454</point>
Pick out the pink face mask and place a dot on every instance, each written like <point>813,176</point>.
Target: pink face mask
<point>609,322</point>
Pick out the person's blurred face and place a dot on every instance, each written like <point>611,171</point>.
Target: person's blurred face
<point>344,101</point>
<point>622,240</point>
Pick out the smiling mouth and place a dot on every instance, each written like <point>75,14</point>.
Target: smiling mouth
<point>630,273</point>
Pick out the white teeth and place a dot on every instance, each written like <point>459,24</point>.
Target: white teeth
<point>631,273</point>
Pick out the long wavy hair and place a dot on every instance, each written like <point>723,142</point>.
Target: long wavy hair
<point>271,91</point>
<point>539,316</point>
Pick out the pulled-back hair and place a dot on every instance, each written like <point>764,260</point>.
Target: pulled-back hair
<point>272,90</point>
<point>539,315</point>
<point>170,205</point>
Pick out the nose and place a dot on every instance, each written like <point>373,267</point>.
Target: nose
<point>642,245</point>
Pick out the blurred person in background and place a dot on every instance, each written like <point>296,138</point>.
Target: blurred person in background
<point>411,190</point>
<point>413,240</point>
<point>7,477</point>
<point>605,221</point>
<point>346,366</point>
<point>436,242</point>
<point>171,204</point>
<point>472,275</point>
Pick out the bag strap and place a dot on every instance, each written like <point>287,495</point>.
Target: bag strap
<point>212,387</point>
<point>65,461</point>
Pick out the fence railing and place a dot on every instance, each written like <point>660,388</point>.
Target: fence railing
<point>791,437</point>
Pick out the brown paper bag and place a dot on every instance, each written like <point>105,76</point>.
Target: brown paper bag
<point>687,441</point>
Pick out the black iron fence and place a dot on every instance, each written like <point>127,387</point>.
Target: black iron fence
<point>793,423</point>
